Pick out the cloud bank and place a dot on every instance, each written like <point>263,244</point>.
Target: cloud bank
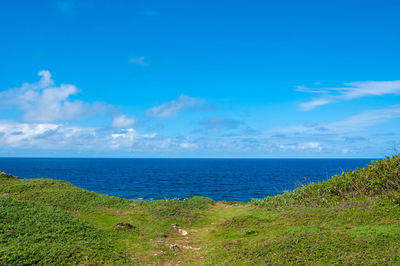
<point>48,111</point>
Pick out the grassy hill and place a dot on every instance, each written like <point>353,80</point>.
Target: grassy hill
<point>352,218</point>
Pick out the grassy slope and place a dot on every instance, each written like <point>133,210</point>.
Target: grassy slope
<point>353,218</point>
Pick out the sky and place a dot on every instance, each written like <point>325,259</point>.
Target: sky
<point>199,79</point>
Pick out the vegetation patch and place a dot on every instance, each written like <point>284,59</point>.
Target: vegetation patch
<point>35,234</point>
<point>187,210</point>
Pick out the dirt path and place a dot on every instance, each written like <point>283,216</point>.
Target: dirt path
<point>192,249</point>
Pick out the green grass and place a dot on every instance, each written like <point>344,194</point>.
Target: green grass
<point>311,235</point>
<point>353,218</point>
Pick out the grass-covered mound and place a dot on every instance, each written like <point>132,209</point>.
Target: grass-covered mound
<point>353,218</point>
<point>35,234</point>
<point>379,180</point>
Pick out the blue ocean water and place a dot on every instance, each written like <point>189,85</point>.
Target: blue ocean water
<point>147,179</point>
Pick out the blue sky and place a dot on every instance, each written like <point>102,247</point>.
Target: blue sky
<point>199,78</point>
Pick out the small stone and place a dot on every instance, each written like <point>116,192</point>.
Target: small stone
<point>125,225</point>
<point>174,226</point>
<point>182,232</point>
<point>173,247</point>
<point>179,230</point>
<point>159,253</point>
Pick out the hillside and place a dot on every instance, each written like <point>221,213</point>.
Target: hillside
<point>352,218</point>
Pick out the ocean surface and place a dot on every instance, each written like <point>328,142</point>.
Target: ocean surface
<point>148,179</point>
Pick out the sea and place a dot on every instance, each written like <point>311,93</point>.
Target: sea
<point>151,179</point>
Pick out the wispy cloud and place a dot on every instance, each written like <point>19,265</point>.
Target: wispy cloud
<point>355,123</point>
<point>307,106</point>
<point>141,60</point>
<point>174,107</point>
<point>366,119</point>
<point>350,91</point>
<point>217,123</point>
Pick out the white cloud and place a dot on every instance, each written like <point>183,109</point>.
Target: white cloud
<point>174,107</point>
<point>123,121</point>
<point>150,136</point>
<point>65,137</point>
<point>187,145</point>
<point>39,135</point>
<point>126,138</point>
<point>350,91</point>
<point>141,60</point>
<point>45,102</point>
<point>45,81</point>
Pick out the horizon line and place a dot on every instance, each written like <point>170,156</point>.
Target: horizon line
<point>181,158</point>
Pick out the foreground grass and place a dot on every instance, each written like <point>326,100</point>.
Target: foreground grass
<point>350,219</point>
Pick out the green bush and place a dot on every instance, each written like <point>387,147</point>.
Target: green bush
<point>6,176</point>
